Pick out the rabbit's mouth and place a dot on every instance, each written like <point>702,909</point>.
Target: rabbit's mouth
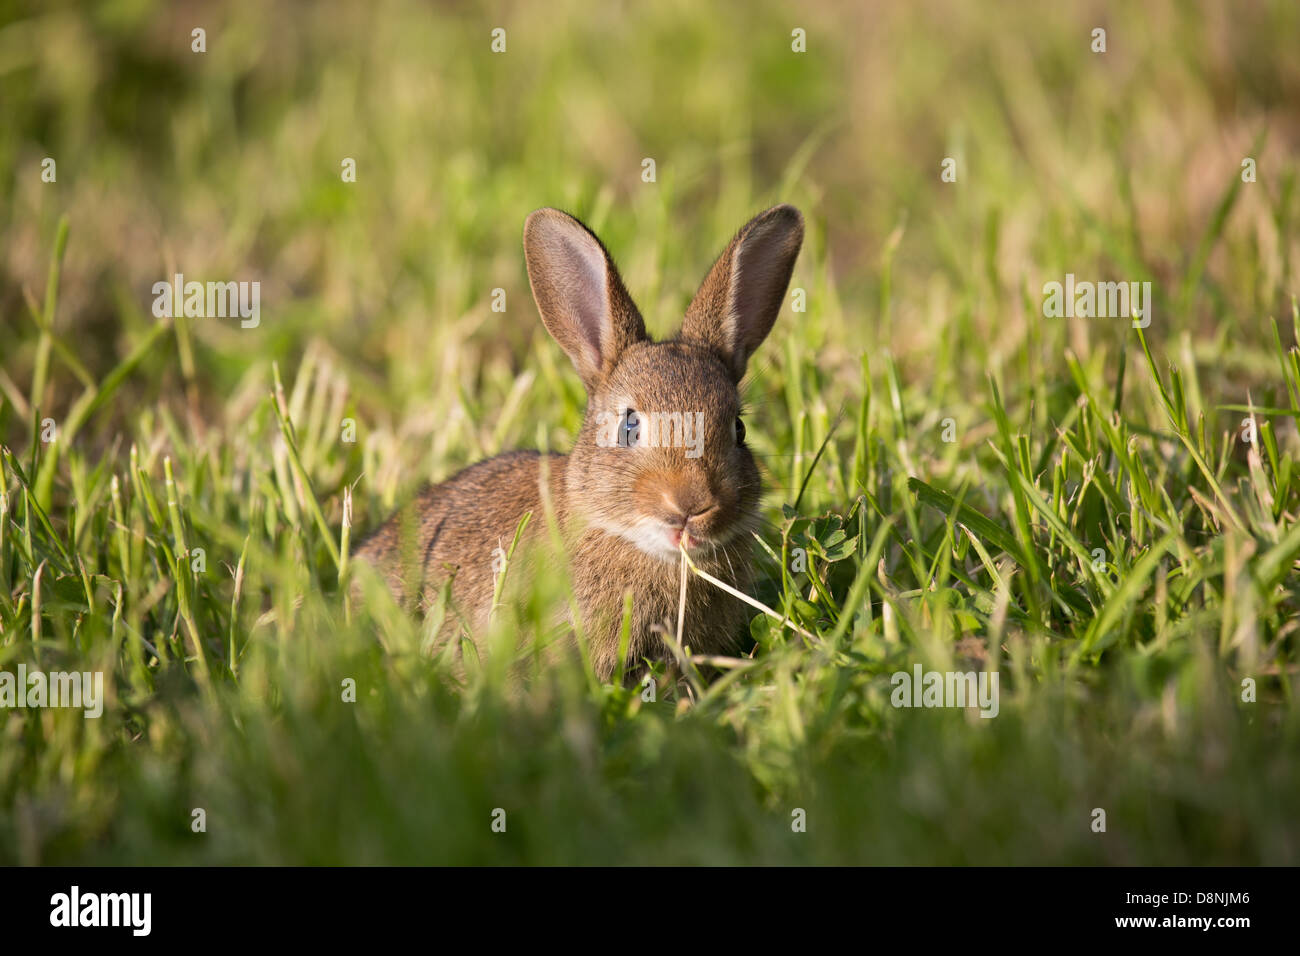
<point>673,538</point>
<point>683,537</point>
<point>664,540</point>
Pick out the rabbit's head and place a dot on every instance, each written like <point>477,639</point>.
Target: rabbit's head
<point>661,456</point>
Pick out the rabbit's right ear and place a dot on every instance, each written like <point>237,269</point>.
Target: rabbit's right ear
<point>579,293</point>
<point>740,298</point>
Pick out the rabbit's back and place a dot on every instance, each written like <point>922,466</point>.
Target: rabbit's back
<point>454,530</point>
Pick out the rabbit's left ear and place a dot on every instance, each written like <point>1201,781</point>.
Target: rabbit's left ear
<point>579,293</point>
<point>741,296</point>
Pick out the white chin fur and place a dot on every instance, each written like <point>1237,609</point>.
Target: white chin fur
<point>649,537</point>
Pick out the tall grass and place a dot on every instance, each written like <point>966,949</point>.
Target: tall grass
<point>1112,526</point>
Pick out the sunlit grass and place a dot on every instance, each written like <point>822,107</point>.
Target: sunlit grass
<point>1101,529</point>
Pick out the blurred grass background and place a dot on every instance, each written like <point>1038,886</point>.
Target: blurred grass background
<point>376,306</point>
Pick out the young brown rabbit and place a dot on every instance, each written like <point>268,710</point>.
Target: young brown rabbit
<point>660,459</point>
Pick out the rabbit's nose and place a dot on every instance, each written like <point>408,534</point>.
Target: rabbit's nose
<point>698,523</point>
<point>687,507</point>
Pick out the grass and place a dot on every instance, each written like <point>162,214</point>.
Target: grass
<point>1097,529</point>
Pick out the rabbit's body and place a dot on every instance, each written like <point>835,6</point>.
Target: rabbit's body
<point>441,535</point>
<point>452,541</point>
<point>660,458</point>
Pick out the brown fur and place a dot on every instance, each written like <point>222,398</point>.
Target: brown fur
<point>601,495</point>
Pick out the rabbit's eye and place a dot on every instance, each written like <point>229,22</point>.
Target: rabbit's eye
<point>740,431</point>
<point>629,429</point>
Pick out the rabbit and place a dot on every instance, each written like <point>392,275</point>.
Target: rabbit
<point>633,489</point>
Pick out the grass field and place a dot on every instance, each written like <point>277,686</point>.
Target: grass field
<point>1106,515</point>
